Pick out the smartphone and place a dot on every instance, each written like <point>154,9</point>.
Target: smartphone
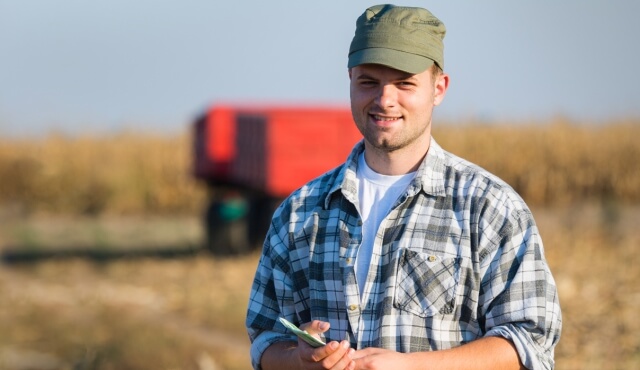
<point>313,341</point>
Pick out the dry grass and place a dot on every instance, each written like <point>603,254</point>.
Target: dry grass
<point>188,313</point>
<point>124,173</point>
<point>583,183</point>
<point>131,173</point>
<point>117,233</point>
<point>554,163</point>
<point>140,314</point>
<point>593,253</point>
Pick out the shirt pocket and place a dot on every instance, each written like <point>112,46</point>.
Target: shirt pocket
<point>426,284</point>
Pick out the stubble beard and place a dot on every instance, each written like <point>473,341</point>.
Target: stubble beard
<point>390,144</point>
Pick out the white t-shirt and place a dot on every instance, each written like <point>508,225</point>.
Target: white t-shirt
<point>376,195</point>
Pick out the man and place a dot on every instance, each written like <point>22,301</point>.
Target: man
<point>405,257</point>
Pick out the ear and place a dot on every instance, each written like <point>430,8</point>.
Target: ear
<point>440,88</point>
<point>349,70</point>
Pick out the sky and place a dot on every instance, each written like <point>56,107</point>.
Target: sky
<point>78,66</point>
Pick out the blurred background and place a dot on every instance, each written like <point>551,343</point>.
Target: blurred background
<point>104,229</point>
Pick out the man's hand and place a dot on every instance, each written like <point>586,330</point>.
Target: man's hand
<point>378,359</point>
<point>486,353</point>
<point>334,355</point>
<point>284,355</point>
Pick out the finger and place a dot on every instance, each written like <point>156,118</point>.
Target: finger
<point>313,356</point>
<point>367,352</point>
<point>346,362</point>
<point>316,327</point>
<point>324,357</point>
<point>352,362</point>
<point>340,359</point>
<point>320,354</point>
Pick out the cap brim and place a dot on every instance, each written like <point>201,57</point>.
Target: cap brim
<point>395,59</point>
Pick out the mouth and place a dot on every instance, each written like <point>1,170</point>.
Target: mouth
<point>383,119</point>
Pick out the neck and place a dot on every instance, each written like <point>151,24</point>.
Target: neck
<point>396,162</point>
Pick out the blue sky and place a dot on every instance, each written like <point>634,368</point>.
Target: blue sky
<point>100,66</point>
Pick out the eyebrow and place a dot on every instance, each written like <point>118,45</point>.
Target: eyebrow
<point>401,77</point>
<point>365,76</point>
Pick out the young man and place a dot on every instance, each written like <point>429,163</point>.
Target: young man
<point>406,256</point>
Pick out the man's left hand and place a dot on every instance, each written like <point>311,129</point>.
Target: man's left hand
<point>380,359</point>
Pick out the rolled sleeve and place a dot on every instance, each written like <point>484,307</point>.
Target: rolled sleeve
<point>262,342</point>
<point>532,355</point>
<point>521,297</point>
<point>270,299</point>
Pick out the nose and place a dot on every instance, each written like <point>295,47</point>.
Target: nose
<point>387,96</point>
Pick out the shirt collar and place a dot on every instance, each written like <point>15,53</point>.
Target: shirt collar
<point>431,173</point>
<point>429,177</point>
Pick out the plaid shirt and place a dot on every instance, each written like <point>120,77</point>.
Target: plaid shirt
<point>459,257</point>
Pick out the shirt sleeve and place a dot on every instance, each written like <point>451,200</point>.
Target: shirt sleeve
<point>518,297</point>
<point>269,300</point>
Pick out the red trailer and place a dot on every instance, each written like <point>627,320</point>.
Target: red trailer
<point>252,157</point>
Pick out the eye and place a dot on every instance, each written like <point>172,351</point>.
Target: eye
<point>406,85</point>
<point>368,83</point>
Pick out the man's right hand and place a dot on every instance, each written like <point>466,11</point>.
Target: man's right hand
<point>334,355</point>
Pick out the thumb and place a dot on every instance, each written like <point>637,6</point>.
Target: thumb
<point>316,327</point>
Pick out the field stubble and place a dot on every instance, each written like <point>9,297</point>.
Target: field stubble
<point>134,191</point>
<point>188,313</point>
<point>133,173</point>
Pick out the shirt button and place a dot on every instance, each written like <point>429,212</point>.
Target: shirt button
<point>432,258</point>
<point>353,307</point>
<point>348,260</point>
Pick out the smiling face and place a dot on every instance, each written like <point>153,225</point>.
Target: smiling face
<point>392,109</point>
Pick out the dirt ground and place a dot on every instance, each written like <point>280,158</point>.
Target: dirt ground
<point>187,312</point>
<point>150,313</point>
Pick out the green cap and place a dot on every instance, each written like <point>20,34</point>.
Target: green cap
<point>404,38</point>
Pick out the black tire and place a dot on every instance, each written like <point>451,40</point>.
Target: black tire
<point>261,210</point>
<point>227,235</point>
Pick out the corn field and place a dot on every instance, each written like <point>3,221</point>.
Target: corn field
<point>133,173</point>
<point>128,190</point>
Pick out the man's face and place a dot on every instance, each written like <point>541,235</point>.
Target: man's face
<point>392,109</point>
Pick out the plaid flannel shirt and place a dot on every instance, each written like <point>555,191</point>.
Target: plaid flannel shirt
<point>459,257</point>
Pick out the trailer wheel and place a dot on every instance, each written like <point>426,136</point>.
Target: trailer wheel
<point>261,210</point>
<point>226,224</point>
